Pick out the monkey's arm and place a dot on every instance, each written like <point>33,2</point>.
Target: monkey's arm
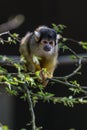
<point>25,52</point>
<point>50,66</point>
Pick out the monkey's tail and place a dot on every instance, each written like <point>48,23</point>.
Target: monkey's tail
<point>12,24</point>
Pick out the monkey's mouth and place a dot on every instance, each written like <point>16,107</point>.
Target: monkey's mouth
<point>47,48</point>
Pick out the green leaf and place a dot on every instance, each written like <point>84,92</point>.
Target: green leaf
<point>15,35</point>
<point>2,70</point>
<point>10,40</point>
<point>39,128</point>
<point>4,127</point>
<point>59,28</point>
<point>24,97</point>
<point>73,57</point>
<point>1,41</point>
<point>14,41</point>
<point>11,92</point>
<point>75,83</point>
<point>30,80</point>
<point>19,67</point>
<point>36,59</point>
<point>83,44</point>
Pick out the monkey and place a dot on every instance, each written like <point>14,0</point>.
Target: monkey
<point>42,43</point>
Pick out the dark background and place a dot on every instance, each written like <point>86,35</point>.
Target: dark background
<point>73,14</point>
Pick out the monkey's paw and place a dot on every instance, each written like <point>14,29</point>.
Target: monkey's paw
<point>42,77</point>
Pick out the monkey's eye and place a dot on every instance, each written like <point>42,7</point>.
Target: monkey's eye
<point>51,42</point>
<point>44,41</point>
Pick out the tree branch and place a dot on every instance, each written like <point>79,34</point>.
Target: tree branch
<point>62,60</point>
<point>30,105</point>
<point>73,73</point>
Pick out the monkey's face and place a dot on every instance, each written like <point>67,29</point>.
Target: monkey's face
<point>46,40</point>
<point>47,45</point>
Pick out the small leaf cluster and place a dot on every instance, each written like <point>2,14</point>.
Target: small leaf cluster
<point>10,38</point>
<point>59,28</point>
<point>4,127</point>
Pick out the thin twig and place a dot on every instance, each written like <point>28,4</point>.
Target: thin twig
<point>73,52</point>
<point>66,83</point>
<point>30,104</point>
<point>4,33</point>
<point>13,37</point>
<point>72,40</point>
<point>73,73</point>
<point>61,82</point>
<point>67,100</point>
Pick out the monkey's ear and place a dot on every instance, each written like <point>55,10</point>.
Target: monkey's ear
<point>58,37</point>
<point>37,35</point>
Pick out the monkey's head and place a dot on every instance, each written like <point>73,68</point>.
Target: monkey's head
<point>46,39</point>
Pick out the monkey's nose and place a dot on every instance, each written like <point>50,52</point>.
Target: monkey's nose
<point>47,47</point>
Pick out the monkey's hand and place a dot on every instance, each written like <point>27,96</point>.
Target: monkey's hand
<point>42,77</point>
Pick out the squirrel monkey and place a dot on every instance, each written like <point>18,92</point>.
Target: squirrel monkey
<point>42,43</point>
